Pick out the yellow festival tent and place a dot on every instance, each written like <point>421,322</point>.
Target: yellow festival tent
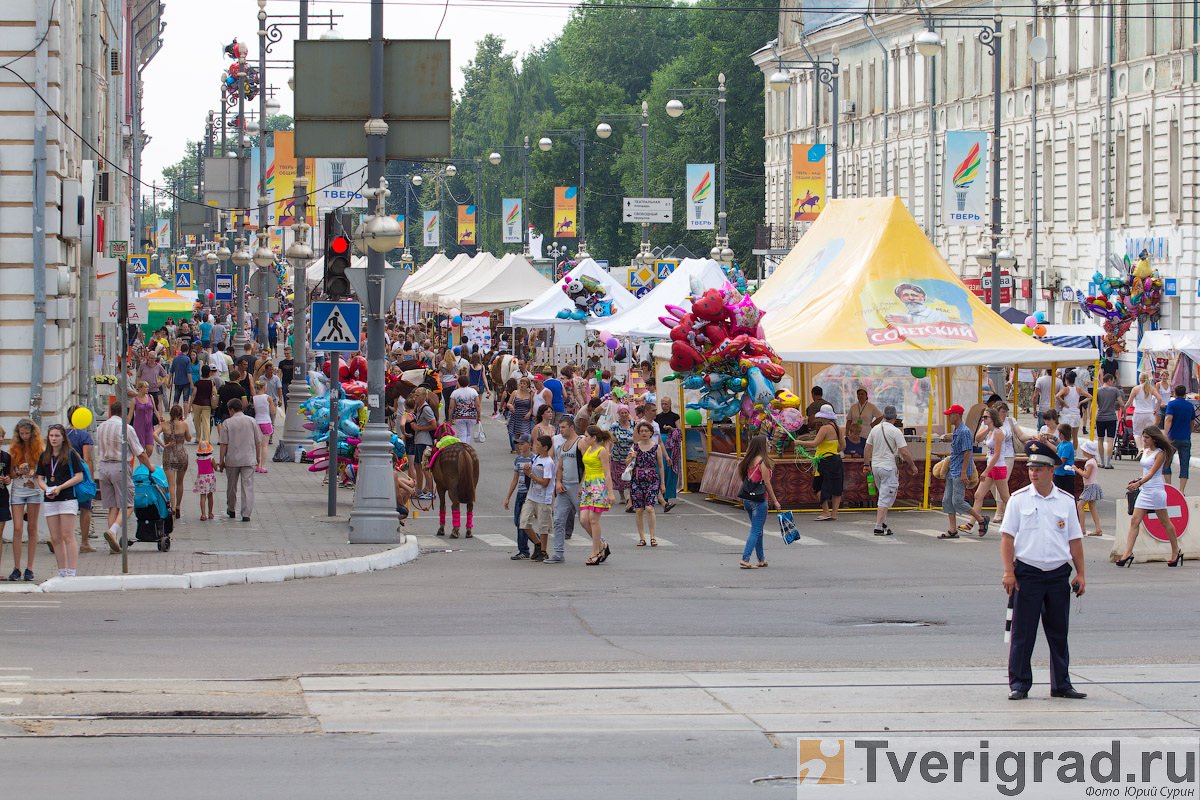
<point>865,286</point>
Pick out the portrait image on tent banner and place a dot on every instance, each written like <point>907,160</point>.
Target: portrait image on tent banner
<point>964,179</point>
<point>466,225</point>
<point>432,228</point>
<point>701,199</point>
<point>921,311</point>
<point>808,181</point>
<point>510,207</point>
<point>566,212</point>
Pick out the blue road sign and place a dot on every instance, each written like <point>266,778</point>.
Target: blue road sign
<point>336,326</point>
<point>224,287</point>
<point>183,280</point>
<point>643,291</point>
<point>139,265</point>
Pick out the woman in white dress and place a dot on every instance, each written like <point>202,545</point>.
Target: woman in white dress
<point>1070,401</point>
<point>1152,494</point>
<point>1145,400</point>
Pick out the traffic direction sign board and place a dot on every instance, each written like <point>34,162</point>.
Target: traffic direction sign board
<point>1177,510</point>
<point>336,326</point>
<point>648,209</point>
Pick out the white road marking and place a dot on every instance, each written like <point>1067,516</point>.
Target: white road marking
<point>661,542</point>
<point>495,540</point>
<point>870,537</point>
<point>935,533</point>
<point>11,701</point>
<point>721,538</point>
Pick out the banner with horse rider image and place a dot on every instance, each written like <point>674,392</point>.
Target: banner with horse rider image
<point>566,212</point>
<point>466,225</point>
<point>964,180</point>
<point>808,181</point>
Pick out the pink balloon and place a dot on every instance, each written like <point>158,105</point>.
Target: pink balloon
<point>605,336</point>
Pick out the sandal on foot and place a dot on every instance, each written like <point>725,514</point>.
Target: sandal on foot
<point>966,528</point>
<point>763,565</point>
<point>823,518</point>
<point>641,543</point>
<point>593,561</point>
<point>1095,533</point>
<point>653,542</point>
<point>983,527</point>
<point>949,535</point>
<point>667,508</point>
<point>746,565</point>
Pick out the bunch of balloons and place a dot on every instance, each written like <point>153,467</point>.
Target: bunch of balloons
<point>352,416</point>
<point>717,347</point>
<point>240,74</point>
<point>779,420</point>
<point>1135,295</point>
<point>589,297</point>
<point>1035,324</point>
<point>735,275</point>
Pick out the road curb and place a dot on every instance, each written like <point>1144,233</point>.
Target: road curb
<point>226,577</point>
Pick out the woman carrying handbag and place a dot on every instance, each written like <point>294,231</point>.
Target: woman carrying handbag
<point>755,472</point>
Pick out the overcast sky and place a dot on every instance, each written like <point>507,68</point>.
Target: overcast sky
<point>183,81</point>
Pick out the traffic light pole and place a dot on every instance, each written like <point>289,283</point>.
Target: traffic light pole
<point>374,518</point>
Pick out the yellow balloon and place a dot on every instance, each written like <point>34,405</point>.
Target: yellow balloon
<point>81,418</point>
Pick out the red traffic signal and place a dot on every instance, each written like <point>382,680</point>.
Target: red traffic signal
<point>339,244</point>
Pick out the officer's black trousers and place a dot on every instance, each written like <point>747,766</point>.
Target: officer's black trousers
<point>1046,596</point>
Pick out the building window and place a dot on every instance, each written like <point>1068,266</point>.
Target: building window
<point>1030,184</point>
<point>1120,187</point>
<point>960,67</point>
<point>1097,170</point>
<point>1174,169</point>
<point>1011,57</point>
<point>1147,171</point>
<point>1027,65</point>
<point>1072,39</point>
<point>1048,180</point>
<point>1072,185</point>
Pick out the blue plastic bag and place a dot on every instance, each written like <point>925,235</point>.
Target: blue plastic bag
<point>787,527</point>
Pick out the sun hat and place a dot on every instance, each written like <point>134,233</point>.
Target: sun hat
<point>204,449</point>
<point>826,412</point>
<point>1089,447</point>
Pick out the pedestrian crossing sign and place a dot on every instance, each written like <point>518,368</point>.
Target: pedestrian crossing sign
<point>183,280</point>
<point>336,326</point>
<point>139,265</point>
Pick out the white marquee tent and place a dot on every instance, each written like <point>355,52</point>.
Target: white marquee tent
<point>543,310</point>
<point>640,321</point>
<point>512,281</point>
<point>429,272</point>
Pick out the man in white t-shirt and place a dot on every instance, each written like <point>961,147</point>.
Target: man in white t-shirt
<point>1042,395</point>
<point>883,445</point>
<point>464,411</point>
<point>217,362</point>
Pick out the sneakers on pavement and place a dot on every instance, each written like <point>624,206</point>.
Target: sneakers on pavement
<point>29,576</point>
<point>15,576</point>
<point>554,560</point>
<point>520,556</point>
<point>113,545</point>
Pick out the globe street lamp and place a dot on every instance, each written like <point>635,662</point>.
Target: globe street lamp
<point>495,158</point>
<point>826,73</point>
<point>578,137</point>
<point>604,130</point>
<point>241,258</point>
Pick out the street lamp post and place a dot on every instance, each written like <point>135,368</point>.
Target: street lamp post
<point>241,257</point>
<point>374,518</point>
<point>477,165</point>
<point>495,159</point>
<point>578,138</point>
<point>604,130</point>
<point>929,44</point>
<point>716,98</point>
<point>827,75</point>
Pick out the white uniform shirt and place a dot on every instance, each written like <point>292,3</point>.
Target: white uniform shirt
<point>1042,527</point>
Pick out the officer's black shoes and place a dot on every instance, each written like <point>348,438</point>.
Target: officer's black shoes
<point>1018,694</point>
<point>1070,694</point>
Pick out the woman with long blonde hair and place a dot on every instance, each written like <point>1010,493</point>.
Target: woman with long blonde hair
<point>1145,400</point>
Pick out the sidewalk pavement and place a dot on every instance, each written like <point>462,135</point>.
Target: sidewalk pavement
<point>288,526</point>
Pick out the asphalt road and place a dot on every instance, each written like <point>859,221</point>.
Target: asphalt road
<point>464,608</point>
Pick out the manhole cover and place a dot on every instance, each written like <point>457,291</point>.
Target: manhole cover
<point>231,553</point>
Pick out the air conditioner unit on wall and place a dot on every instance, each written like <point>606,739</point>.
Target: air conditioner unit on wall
<point>106,188</point>
<point>114,57</point>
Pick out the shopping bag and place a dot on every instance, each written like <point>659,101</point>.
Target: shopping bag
<point>787,527</point>
<point>479,435</point>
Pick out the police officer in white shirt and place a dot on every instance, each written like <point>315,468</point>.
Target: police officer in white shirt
<point>1041,538</point>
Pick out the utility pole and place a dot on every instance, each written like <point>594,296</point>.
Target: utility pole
<point>374,518</point>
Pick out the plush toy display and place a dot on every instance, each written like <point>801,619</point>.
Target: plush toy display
<point>589,297</point>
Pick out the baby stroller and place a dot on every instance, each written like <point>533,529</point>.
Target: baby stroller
<point>1123,445</point>
<point>152,506</point>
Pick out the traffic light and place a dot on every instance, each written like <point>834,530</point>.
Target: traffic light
<point>337,254</point>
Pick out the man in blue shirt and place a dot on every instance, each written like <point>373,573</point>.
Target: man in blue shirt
<point>1180,414</point>
<point>205,333</point>
<point>954,496</point>
<point>556,396</point>
<point>181,375</point>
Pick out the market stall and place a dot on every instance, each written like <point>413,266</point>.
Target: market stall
<point>866,300</point>
<point>511,282</point>
<point>641,320</point>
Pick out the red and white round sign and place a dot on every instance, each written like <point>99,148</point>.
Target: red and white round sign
<point>1177,510</point>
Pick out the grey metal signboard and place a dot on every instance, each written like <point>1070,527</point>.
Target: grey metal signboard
<point>221,183</point>
<point>332,98</point>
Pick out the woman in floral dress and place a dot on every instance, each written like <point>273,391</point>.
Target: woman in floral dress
<point>623,438</point>
<point>645,489</point>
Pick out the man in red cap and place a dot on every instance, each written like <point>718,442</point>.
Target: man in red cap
<point>954,497</point>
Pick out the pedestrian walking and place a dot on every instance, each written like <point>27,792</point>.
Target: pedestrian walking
<point>755,471</point>
<point>204,400</point>
<point>886,449</point>
<point>1145,401</point>
<point>115,492</point>
<point>595,491</point>
<point>828,442</point>
<point>143,414</point>
<point>671,437</point>
<point>568,473</point>
<point>5,499</point>
<point>152,372</point>
<point>520,410</point>
<point>1109,400</point>
<point>1071,403</point>
<point>1064,473</point>
<point>464,407</point>
<point>1040,540</point>
<point>240,436</point>
<point>83,444</point>
<point>230,389</point>
<point>543,424</point>
<point>1043,395</point>
<point>1151,495</point>
<point>537,514</point>
<point>59,470</point>
<point>181,374</point>
<point>1091,494</point>
<point>26,494</point>
<point>448,374</point>
<point>423,424</point>
<point>264,416</point>
<point>954,496</point>
<point>205,483</point>
<point>520,484</point>
<point>623,438</point>
<point>995,472</point>
<point>645,485</point>
<point>173,432</point>
<point>1180,414</point>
